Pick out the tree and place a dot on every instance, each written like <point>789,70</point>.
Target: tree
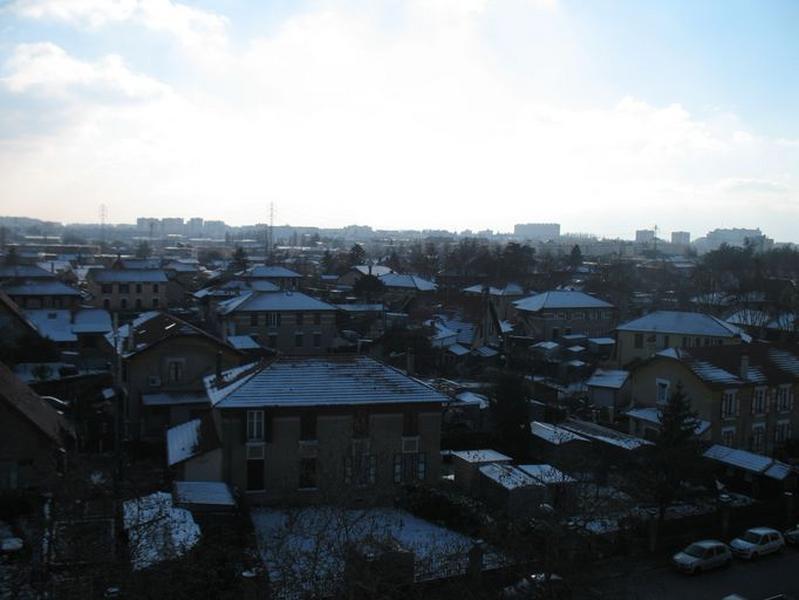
<point>511,415</point>
<point>238,260</point>
<point>575,256</point>
<point>368,287</point>
<point>357,255</point>
<point>143,250</point>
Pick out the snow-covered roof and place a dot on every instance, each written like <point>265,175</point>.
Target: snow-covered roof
<point>749,461</point>
<point>605,434</point>
<point>602,341</point>
<point>576,349</point>
<point>62,325</point>
<point>681,323</point>
<point>481,456</point>
<point>273,302</point>
<point>458,350</point>
<point>554,434</point>
<point>473,398</point>
<point>376,270</point>
<point>486,352</point>
<point>342,380</point>
<point>127,275</point>
<point>512,289</point>
<point>748,317</point>
<point>24,272</point>
<point>546,346</point>
<point>614,379</point>
<point>650,414</point>
<point>206,493</point>
<point>271,272</point>
<point>508,476</point>
<point>558,299</point>
<point>157,531</point>
<point>547,474</point>
<point>360,308</point>
<point>40,287</point>
<point>91,320</point>
<point>243,342</point>
<point>396,280</point>
<point>183,442</point>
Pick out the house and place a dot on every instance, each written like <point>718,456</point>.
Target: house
<point>643,337</point>
<point>22,273</point>
<point>549,315</point>
<point>193,450</point>
<point>164,361</point>
<point>35,438</point>
<point>43,293</point>
<point>407,292</point>
<point>608,390</point>
<point>561,487</point>
<point>128,289</point>
<point>351,277</point>
<point>755,474</point>
<point>289,322</point>
<point>501,297</point>
<point>315,429</point>
<point>81,330</point>
<point>283,278</point>
<point>746,392</point>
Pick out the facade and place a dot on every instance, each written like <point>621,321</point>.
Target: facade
<point>540,232</point>
<point>550,315</point>
<point>643,337</point>
<point>128,289</point>
<point>289,322</point>
<point>35,438</point>
<point>42,293</point>
<point>745,393</point>
<point>319,430</point>
<point>283,278</point>
<point>681,238</point>
<point>644,236</point>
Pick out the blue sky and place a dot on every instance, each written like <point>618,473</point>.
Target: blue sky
<point>604,116</point>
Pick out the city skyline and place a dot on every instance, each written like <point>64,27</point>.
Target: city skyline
<point>427,114</point>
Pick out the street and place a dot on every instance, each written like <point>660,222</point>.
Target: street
<point>757,580</point>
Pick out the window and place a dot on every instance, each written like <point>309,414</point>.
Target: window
<point>729,404</point>
<point>106,288</point>
<point>138,303</point>
<point>107,304</point>
<point>255,426</point>
<point>662,391</point>
<point>298,340</point>
<point>686,342</point>
<point>728,437</point>
<point>138,288</point>
<point>638,342</point>
<point>123,304</point>
<point>307,474</point>
<point>273,319</point>
<point>253,319</point>
<point>317,318</point>
<point>124,288</point>
<point>175,370</point>
<point>361,467</point>
<point>783,431</point>
<point>784,398</point>
<point>409,467</point>
<point>758,438</point>
<point>272,341</point>
<point>666,341</point>
<point>155,288</point>
<point>317,340</point>
<point>759,404</point>
<point>360,424</point>
<point>155,302</point>
<point>410,423</point>
<point>308,426</point>
<point>298,318</point>
<point>255,475</point>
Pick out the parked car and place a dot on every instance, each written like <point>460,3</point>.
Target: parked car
<point>792,536</point>
<point>538,586</point>
<point>756,542</point>
<point>702,556</point>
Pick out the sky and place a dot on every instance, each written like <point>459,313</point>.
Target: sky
<point>604,116</point>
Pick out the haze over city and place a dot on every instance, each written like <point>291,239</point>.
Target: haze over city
<point>606,117</point>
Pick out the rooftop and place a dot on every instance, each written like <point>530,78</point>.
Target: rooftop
<point>270,272</point>
<point>613,379</point>
<point>508,476</point>
<point>685,323</point>
<point>481,456</point>
<point>395,280</point>
<point>554,300</point>
<point>127,275</point>
<point>40,287</point>
<point>273,302</point>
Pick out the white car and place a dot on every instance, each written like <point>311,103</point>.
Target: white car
<point>702,556</point>
<point>756,542</point>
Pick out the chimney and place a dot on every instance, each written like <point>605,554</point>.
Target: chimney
<point>219,366</point>
<point>744,371</point>
<point>410,361</point>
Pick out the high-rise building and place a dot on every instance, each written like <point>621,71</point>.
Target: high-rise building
<point>681,238</point>
<point>539,232</point>
<point>194,227</point>
<point>644,236</point>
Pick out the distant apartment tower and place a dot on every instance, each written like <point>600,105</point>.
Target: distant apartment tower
<point>681,238</point>
<point>214,229</point>
<point>644,236</point>
<point>194,227</point>
<point>540,232</point>
<point>172,225</point>
<point>148,226</point>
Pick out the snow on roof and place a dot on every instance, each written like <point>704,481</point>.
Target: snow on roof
<point>554,434</point>
<point>677,322</point>
<point>785,360</point>
<point>576,349</point>
<point>602,341</point>
<point>512,289</point>
<point>128,275</point>
<point>473,398</point>
<point>55,324</point>
<point>486,352</point>
<point>457,350</point>
<point>554,300</point>
<point>545,346</point>
<point>376,270</point>
<point>208,493</point>
<point>748,461</point>
<point>183,442</point>
<point>396,280</point>
<point>342,380</point>
<point>157,531</point>
<point>271,272</point>
<point>605,434</point>
<point>547,474</point>
<point>25,272</point>
<point>481,456</point>
<point>91,320</point>
<point>508,476</point>
<point>273,301</point>
<point>243,342</point>
<point>614,379</point>
<point>651,414</point>
<point>40,287</point>
<point>356,308</point>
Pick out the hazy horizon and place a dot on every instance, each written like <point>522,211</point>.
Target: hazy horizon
<point>606,117</point>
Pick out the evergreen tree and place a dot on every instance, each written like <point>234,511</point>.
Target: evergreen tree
<point>357,255</point>
<point>576,256</point>
<point>238,260</point>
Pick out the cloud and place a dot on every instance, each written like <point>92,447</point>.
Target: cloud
<point>191,26</point>
<point>754,186</point>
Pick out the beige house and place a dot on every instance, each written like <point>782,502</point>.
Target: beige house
<point>550,315</point>
<point>343,429</point>
<point>643,337</point>
<point>289,322</point>
<point>743,394</point>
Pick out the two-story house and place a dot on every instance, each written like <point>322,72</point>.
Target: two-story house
<point>128,289</point>
<point>643,337</point>
<point>289,322</point>
<point>326,429</point>
<point>284,278</point>
<point>550,315</point>
<point>43,293</point>
<point>164,361</point>
<point>745,392</point>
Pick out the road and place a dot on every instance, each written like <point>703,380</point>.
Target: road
<point>756,580</point>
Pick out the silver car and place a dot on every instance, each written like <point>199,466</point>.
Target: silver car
<point>756,542</point>
<point>702,556</point>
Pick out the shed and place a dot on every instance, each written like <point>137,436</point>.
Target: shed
<point>466,465</point>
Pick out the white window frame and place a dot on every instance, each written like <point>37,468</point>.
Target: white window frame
<point>181,362</point>
<point>725,431</point>
<point>759,437</point>
<point>662,384</point>
<point>729,404</point>
<point>784,398</point>
<point>255,426</point>
<point>760,401</point>
<point>782,432</point>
